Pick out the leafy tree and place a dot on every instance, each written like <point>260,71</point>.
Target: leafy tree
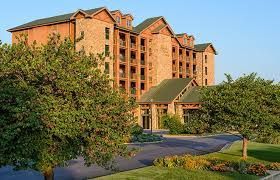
<point>56,105</point>
<point>249,105</point>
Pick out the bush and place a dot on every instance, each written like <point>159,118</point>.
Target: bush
<point>273,138</point>
<point>223,167</point>
<point>187,162</point>
<point>173,123</point>
<point>136,130</point>
<point>274,166</point>
<point>257,169</point>
<point>146,138</point>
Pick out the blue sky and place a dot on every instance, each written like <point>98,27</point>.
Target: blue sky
<point>245,33</point>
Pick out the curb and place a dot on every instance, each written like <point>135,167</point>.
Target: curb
<point>139,143</point>
<point>226,146</point>
<point>193,136</point>
<point>274,176</point>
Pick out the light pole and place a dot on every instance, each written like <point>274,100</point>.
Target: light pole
<point>151,107</point>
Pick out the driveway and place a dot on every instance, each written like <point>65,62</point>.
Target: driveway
<point>148,152</point>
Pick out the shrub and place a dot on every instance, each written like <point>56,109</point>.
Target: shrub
<point>146,138</point>
<point>173,123</point>
<point>257,169</point>
<point>136,130</point>
<point>274,166</point>
<point>273,138</point>
<point>223,167</point>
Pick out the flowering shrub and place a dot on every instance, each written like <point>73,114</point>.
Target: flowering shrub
<point>257,169</point>
<point>274,166</point>
<point>223,167</point>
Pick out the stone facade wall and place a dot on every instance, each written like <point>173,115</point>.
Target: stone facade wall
<point>94,40</point>
<point>161,58</point>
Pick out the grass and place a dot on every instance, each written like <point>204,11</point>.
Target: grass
<point>157,173</point>
<point>257,153</point>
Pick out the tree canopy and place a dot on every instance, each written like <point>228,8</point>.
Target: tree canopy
<point>249,105</point>
<point>56,104</point>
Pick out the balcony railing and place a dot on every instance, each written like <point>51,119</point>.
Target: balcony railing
<point>142,62</point>
<point>122,58</point>
<point>194,72</point>
<point>174,56</point>
<point>122,75</point>
<point>174,68</point>
<point>180,57</point>
<point>133,90</point>
<point>180,69</point>
<point>133,45</point>
<point>122,43</point>
<point>142,77</point>
<point>188,59</point>
<point>133,61</point>
<point>143,48</point>
<point>188,71</point>
<point>133,76</point>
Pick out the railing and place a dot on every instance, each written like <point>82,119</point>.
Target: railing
<point>122,58</point>
<point>142,62</point>
<point>133,60</point>
<point>142,77</point>
<point>194,72</point>
<point>143,48</point>
<point>133,76</point>
<point>188,71</point>
<point>133,45</point>
<point>122,75</point>
<point>174,68</point>
<point>188,59</point>
<point>174,56</point>
<point>122,43</point>
<point>180,69</point>
<point>180,57</point>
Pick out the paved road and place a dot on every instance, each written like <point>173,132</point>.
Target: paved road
<point>148,152</point>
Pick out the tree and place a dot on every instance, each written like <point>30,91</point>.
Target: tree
<point>249,105</point>
<point>56,105</point>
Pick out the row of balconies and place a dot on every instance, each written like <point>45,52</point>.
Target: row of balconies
<point>132,60</point>
<point>133,76</point>
<point>132,90</point>
<point>132,45</point>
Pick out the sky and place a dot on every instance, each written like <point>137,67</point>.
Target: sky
<point>246,34</point>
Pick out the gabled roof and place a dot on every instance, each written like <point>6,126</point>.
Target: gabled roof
<point>54,19</point>
<point>191,96</point>
<point>166,91</point>
<point>146,23</point>
<point>181,34</point>
<point>202,47</point>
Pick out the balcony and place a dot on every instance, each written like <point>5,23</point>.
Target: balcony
<point>174,68</point>
<point>122,58</point>
<point>188,71</point>
<point>133,76</point>
<point>143,48</point>
<point>142,62</point>
<point>194,72</point>
<point>188,59</point>
<point>174,56</point>
<point>180,57</point>
<point>133,91</point>
<point>122,75</point>
<point>142,77</point>
<point>133,61</point>
<point>122,43</point>
<point>133,45</point>
<point>180,69</point>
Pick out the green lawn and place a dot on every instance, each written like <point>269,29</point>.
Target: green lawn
<point>257,152</point>
<point>153,172</point>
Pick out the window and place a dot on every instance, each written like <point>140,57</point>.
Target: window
<point>206,83</point>
<point>118,20</point>
<point>206,71</point>
<point>107,50</point>
<point>205,58</point>
<point>185,41</point>
<point>188,54</point>
<point>194,55</point>
<point>107,68</point>
<point>107,33</point>
<point>128,23</point>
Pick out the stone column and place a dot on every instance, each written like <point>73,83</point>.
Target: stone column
<point>154,116</point>
<point>171,108</point>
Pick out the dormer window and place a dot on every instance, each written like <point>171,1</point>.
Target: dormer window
<point>185,41</point>
<point>118,20</point>
<point>128,23</point>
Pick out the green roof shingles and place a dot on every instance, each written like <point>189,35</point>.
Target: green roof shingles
<point>201,47</point>
<point>60,18</point>
<point>140,27</point>
<point>191,96</point>
<point>166,91</point>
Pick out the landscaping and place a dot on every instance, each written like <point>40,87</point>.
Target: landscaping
<point>220,165</point>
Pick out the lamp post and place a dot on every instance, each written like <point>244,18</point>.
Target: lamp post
<point>151,107</point>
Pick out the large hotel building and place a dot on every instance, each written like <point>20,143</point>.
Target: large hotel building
<point>161,69</point>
